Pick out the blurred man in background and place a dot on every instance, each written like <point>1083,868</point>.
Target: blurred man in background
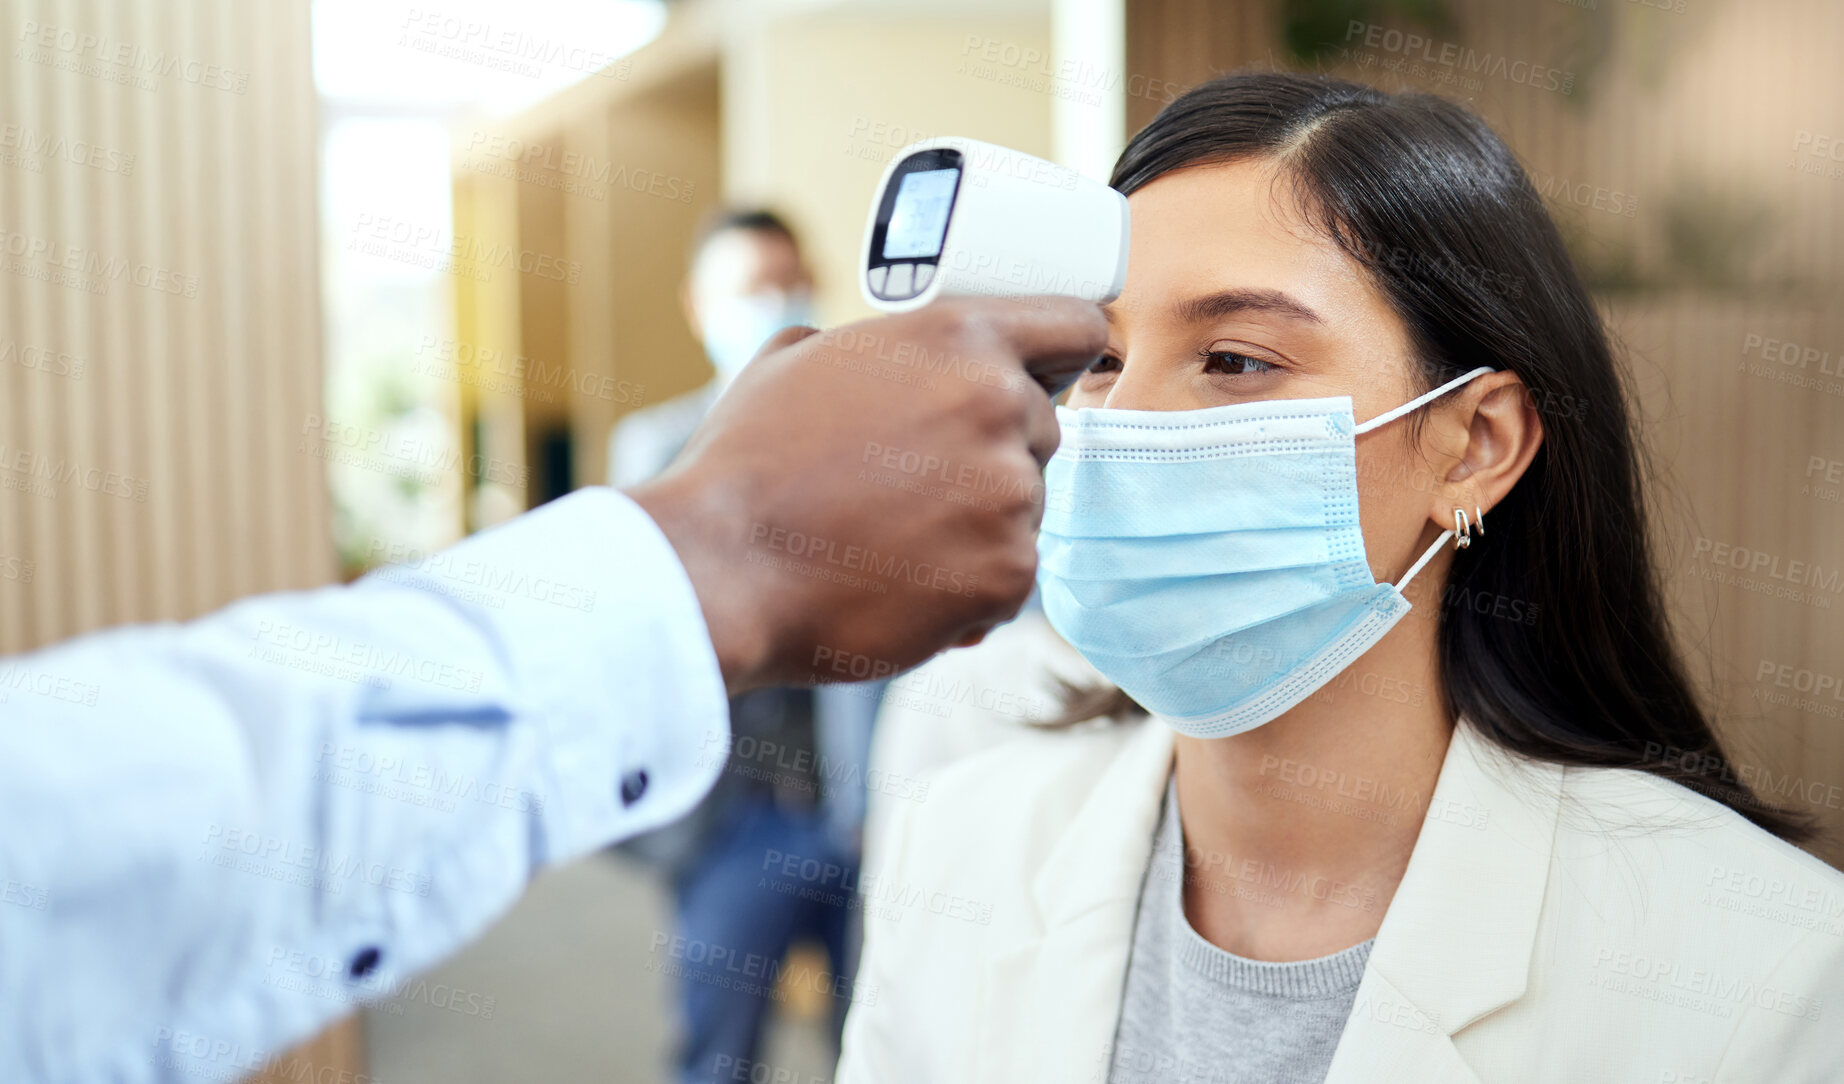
<point>792,793</point>
<point>747,281</point>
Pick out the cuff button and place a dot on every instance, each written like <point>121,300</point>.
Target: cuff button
<point>633,785</point>
<point>364,962</point>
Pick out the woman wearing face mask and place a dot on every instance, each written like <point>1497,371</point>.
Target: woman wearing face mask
<point>1417,801</point>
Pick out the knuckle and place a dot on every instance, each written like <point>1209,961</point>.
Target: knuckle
<point>956,320</point>
<point>1025,488</point>
<point>1014,578</point>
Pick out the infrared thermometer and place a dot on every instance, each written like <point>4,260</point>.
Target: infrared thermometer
<point>956,216</point>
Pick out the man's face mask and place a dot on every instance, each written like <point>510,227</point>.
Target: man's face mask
<point>735,327</point>
<point>1209,562</point>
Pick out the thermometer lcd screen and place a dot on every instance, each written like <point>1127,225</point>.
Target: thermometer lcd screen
<point>919,221</point>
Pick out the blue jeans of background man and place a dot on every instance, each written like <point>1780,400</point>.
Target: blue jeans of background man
<point>739,909</point>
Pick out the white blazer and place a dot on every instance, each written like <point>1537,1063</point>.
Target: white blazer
<point>1554,925</point>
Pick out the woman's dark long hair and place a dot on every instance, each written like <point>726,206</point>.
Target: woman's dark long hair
<point>1424,194</point>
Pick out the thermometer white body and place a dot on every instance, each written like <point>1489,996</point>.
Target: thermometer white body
<point>958,216</point>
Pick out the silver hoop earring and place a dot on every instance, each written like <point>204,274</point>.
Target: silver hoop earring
<point>1462,531</point>
<point>1478,521</point>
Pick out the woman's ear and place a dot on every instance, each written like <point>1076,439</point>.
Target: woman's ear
<point>1488,434</point>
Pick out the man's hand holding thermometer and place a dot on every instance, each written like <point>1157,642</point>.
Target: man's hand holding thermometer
<point>792,548</point>
<point>609,714</point>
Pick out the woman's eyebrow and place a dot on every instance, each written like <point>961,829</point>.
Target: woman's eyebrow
<point>1197,310</point>
<point>1215,306</point>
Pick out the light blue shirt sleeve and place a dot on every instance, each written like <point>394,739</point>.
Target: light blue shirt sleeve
<point>219,836</point>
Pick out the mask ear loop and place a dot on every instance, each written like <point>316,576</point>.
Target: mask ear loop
<point>1422,400</point>
<point>1391,415</point>
<point>1403,583</point>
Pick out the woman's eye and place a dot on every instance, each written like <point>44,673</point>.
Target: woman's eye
<point>1106,363</point>
<point>1231,363</point>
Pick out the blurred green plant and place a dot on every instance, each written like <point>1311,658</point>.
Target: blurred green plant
<point>1312,29</point>
<point>366,499</point>
<point>1711,238</point>
<point>1715,233</point>
<point>1608,265</point>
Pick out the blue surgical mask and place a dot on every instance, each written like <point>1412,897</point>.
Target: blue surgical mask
<point>734,328</point>
<point>1209,562</point>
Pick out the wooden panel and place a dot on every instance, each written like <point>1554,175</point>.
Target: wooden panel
<point>159,314</point>
<point>1173,45</point>
<point>159,322</point>
<point>607,199</point>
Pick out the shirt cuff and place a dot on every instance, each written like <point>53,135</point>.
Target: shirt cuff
<point>618,669</point>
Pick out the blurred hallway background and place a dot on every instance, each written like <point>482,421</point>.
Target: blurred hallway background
<point>299,288</point>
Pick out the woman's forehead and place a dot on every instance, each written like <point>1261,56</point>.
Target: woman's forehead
<point>1235,225</point>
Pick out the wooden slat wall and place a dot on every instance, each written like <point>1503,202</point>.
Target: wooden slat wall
<point>611,325</point>
<point>171,428</point>
<point>1716,91</point>
<point>195,402</point>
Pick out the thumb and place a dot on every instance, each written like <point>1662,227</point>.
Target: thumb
<point>786,337</point>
